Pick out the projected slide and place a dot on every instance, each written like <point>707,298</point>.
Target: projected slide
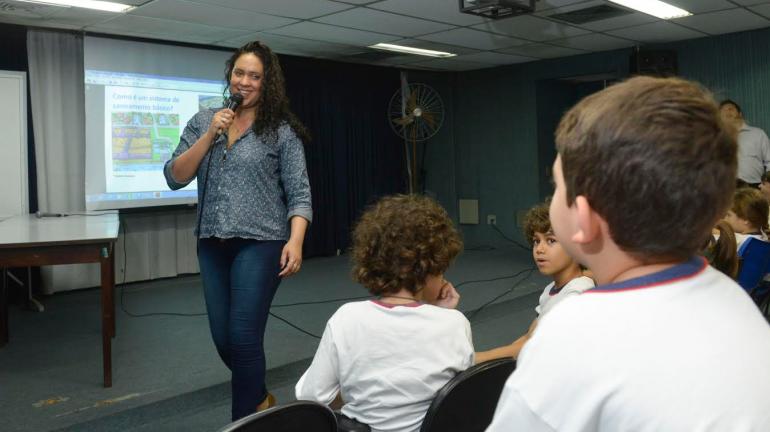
<point>143,118</point>
<point>139,97</point>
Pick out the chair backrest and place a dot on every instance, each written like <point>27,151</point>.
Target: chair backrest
<point>755,262</point>
<point>468,401</point>
<point>301,416</point>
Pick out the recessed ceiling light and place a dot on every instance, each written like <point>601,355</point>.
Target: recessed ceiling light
<point>655,8</point>
<point>88,4</point>
<point>411,50</point>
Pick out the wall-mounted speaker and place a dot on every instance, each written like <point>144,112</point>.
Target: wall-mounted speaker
<point>654,62</point>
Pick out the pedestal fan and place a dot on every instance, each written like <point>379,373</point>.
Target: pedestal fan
<point>416,113</point>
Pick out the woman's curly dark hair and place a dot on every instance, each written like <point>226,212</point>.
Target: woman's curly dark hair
<point>273,103</point>
<point>400,241</point>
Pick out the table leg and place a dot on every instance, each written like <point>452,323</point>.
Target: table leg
<point>112,287</point>
<point>107,318</point>
<point>3,310</point>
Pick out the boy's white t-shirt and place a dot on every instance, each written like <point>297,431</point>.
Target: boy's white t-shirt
<point>684,349</point>
<point>387,361</point>
<point>550,297</point>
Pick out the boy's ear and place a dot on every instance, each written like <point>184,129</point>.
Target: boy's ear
<point>588,221</point>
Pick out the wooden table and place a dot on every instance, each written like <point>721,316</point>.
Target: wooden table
<point>31,241</point>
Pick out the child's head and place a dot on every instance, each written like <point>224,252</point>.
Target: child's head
<point>652,159</point>
<point>401,242</point>
<point>749,212</point>
<point>548,253</point>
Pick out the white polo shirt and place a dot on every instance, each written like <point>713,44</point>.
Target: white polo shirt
<point>387,361</point>
<point>684,349</point>
<point>551,297</point>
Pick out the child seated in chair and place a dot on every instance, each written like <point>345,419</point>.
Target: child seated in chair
<point>664,342</point>
<point>551,260</point>
<point>386,358</point>
<point>748,215</point>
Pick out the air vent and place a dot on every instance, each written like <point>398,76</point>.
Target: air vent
<point>25,10</point>
<point>591,14</point>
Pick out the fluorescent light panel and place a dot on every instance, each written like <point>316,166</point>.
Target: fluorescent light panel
<point>411,50</point>
<point>88,4</point>
<point>655,8</point>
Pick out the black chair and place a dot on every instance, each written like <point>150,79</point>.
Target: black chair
<point>301,416</point>
<point>347,424</point>
<point>467,402</point>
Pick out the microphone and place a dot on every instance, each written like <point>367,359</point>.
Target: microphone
<point>233,102</point>
<point>40,214</point>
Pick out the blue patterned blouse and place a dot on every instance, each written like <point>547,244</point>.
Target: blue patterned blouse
<point>254,188</point>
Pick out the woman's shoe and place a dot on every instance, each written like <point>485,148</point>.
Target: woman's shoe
<point>269,402</point>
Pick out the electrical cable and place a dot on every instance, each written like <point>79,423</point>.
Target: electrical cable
<point>472,314</point>
<point>526,248</point>
<point>123,289</point>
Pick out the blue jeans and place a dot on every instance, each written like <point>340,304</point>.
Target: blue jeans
<point>240,277</point>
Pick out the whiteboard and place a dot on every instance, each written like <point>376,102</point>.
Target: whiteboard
<point>14,193</point>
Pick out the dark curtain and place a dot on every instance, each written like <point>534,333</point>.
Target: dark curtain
<point>354,156</point>
<point>13,57</point>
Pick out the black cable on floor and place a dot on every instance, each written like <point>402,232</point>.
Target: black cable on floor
<point>502,234</point>
<point>123,289</point>
<point>294,326</point>
<point>510,290</point>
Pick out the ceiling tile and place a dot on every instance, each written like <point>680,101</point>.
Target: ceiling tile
<point>303,9</point>
<point>495,58</point>
<point>763,10</point>
<point>620,22</point>
<point>165,29</point>
<point>450,64</point>
<point>447,11</point>
<point>180,10</point>
<point>295,46</point>
<point>531,28</point>
<point>19,9</point>
<point>80,18</point>
<point>701,6</point>
<point>542,51</point>
<point>435,46</point>
<point>473,39</point>
<point>729,21</point>
<point>543,5</point>
<point>657,32</point>
<point>330,33</point>
<point>594,42</point>
<point>383,22</point>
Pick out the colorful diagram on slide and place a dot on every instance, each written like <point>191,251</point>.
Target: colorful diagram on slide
<point>143,141</point>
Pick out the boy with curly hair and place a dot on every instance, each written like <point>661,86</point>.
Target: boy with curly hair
<point>644,170</point>
<point>386,358</point>
<point>551,260</point>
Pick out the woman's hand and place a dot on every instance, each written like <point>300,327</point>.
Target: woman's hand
<point>291,258</point>
<point>448,297</point>
<point>221,122</point>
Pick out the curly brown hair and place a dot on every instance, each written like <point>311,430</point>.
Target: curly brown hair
<point>400,241</point>
<point>536,221</point>
<point>274,107</point>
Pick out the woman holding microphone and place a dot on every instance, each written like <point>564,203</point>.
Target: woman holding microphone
<point>254,206</point>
